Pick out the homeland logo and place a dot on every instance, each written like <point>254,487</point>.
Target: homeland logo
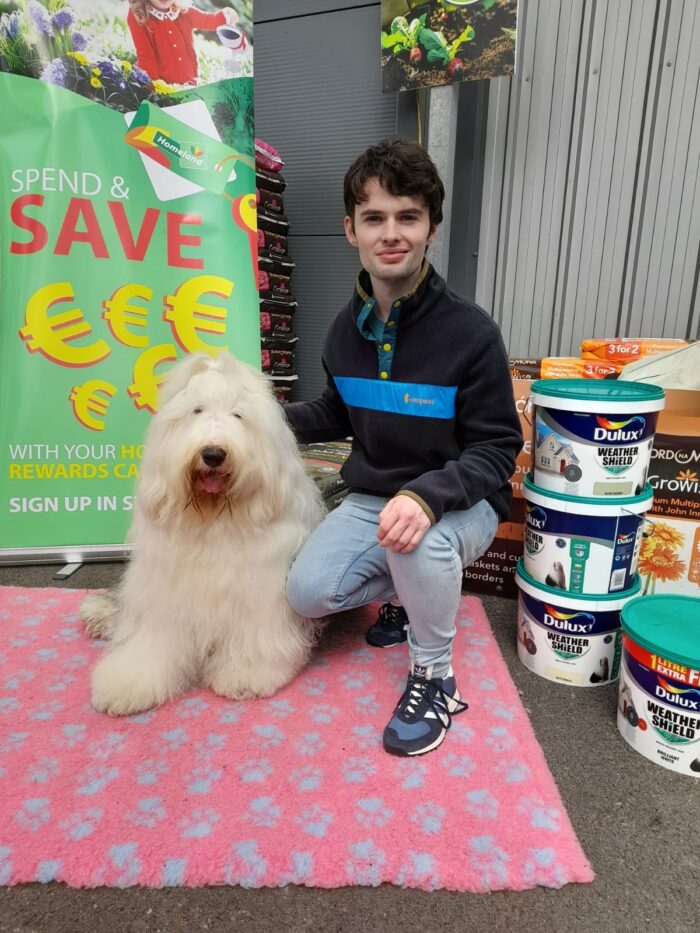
<point>192,155</point>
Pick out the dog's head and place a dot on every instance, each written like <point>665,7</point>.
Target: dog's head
<point>219,442</point>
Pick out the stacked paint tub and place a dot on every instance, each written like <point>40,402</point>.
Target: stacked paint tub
<point>658,710</point>
<point>585,504</point>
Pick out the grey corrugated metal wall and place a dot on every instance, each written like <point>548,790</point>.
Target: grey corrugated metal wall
<point>590,222</point>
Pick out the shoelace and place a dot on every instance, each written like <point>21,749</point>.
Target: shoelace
<point>418,689</point>
<point>390,616</point>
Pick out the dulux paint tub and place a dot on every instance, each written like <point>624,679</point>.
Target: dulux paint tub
<point>658,711</point>
<point>593,437</point>
<point>574,640</point>
<point>584,546</point>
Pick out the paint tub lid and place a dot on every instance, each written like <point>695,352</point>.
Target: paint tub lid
<point>668,625</point>
<point>603,395</point>
<point>593,602</point>
<point>588,505</point>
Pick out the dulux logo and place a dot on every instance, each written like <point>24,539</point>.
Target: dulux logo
<point>565,622</point>
<point>536,517</point>
<point>615,430</point>
<point>676,695</point>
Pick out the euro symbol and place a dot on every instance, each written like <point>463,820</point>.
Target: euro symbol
<point>89,407</point>
<point>51,335</point>
<point>120,314</point>
<point>144,388</point>
<point>188,317</point>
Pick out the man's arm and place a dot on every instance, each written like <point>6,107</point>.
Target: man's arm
<point>325,419</point>
<point>489,436</point>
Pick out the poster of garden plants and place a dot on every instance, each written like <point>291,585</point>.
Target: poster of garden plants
<point>427,44</point>
<point>128,240</point>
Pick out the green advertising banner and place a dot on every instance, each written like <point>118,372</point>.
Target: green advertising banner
<point>128,240</point>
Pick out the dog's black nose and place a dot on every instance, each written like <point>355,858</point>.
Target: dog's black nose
<point>213,456</point>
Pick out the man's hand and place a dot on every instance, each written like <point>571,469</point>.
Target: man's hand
<point>402,523</point>
<point>231,16</point>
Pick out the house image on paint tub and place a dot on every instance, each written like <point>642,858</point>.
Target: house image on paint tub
<point>557,457</point>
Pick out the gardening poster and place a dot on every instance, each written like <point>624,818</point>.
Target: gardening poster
<point>440,42</point>
<point>127,236</point>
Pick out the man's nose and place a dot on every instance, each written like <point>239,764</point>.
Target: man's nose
<point>390,230</point>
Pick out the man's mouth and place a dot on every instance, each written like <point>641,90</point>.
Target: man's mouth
<point>389,255</point>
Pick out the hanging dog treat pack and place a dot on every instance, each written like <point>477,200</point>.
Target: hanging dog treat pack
<point>583,545</point>
<point>658,710</point>
<point>593,438</point>
<point>568,638</point>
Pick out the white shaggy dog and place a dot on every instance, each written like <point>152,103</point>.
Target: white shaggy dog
<point>222,506</point>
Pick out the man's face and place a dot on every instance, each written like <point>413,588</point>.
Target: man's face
<point>391,234</point>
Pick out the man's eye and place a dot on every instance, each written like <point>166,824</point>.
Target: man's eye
<point>236,414</point>
<point>198,410</point>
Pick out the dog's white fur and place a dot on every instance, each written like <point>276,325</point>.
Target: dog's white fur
<point>202,600</point>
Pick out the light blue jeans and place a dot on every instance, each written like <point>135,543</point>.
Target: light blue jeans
<point>342,566</point>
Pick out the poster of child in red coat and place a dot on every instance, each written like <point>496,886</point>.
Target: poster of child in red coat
<point>163,35</point>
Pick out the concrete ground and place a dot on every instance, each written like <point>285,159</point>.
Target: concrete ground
<point>638,823</point>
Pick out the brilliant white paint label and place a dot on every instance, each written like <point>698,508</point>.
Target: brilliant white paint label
<point>580,648</point>
<point>659,708</point>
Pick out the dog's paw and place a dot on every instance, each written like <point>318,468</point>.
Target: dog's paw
<point>98,614</point>
<point>120,690</point>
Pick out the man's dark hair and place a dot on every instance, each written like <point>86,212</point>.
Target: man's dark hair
<point>402,168</point>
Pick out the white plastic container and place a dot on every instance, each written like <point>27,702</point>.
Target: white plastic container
<point>574,640</point>
<point>658,710</point>
<point>593,437</point>
<point>583,546</point>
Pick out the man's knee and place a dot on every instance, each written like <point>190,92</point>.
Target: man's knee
<point>305,595</point>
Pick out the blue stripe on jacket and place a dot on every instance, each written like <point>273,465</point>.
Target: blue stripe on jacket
<point>400,398</point>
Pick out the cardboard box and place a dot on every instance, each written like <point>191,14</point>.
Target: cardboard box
<point>669,560</point>
<point>495,571</point>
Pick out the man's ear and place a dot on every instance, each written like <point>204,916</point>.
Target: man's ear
<point>432,233</point>
<point>350,231</point>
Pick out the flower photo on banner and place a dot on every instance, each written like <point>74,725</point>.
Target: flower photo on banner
<point>122,52</point>
<point>427,44</point>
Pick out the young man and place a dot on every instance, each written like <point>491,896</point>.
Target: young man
<point>419,377</point>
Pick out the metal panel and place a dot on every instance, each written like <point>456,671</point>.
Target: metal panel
<point>323,282</point>
<point>318,100</point>
<point>269,10</point>
<point>595,170</point>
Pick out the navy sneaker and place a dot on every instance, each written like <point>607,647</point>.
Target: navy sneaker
<point>390,627</point>
<point>424,713</point>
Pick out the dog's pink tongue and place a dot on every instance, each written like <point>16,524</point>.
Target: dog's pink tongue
<point>212,483</point>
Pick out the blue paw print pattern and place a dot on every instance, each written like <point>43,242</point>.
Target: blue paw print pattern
<point>482,804</point>
<point>254,770</point>
<point>34,813</point>
<point>364,863</point>
<point>428,817</point>
<point>314,820</point>
<point>149,812</point>
<point>200,823</point>
<point>490,861</point>
<point>373,811</point>
<point>263,811</point>
<point>246,866</point>
<point>419,870</point>
<point>206,790</point>
<point>307,779</point>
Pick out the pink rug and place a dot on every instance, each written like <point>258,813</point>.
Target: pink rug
<point>292,789</point>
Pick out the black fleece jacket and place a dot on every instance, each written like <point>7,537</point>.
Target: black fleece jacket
<point>442,428</point>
